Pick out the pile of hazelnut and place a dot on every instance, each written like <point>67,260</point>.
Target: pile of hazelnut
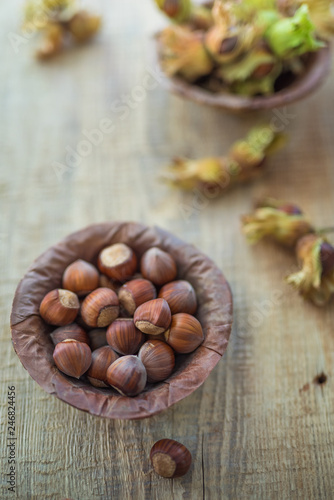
<point>118,328</point>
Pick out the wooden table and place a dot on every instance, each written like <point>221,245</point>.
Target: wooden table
<point>260,426</point>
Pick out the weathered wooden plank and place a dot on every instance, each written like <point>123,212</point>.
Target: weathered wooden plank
<point>259,427</point>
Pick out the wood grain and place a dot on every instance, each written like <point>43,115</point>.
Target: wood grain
<point>259,427</point>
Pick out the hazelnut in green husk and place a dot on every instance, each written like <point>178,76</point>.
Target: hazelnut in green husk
<point>315,280</point>
<point>58,21</point>
<point>283,222</point>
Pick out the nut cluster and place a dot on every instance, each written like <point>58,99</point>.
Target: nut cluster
<point>128,332</point>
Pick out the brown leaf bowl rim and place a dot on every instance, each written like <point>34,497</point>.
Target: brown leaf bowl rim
<point>318,68</point>
<point>33,345</point>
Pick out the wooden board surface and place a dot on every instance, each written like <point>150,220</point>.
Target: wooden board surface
<point>259,427</point>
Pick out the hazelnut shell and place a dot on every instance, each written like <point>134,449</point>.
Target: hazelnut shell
<point>158,359</point>
<point>180,296</point>
<point>81,277</point>
<point>135,293</point>
<point>72,357</point>
<point>118,261</point>
<point>124,337</point>
<point>100,308</point>
<point>72,331</point>
<point>153,317</point>
<point>158,266</point>
<point>170,458</point>
<point>59,307</point>
<point>102,358</point>
<point>127,375</point>
<point>185,333</point>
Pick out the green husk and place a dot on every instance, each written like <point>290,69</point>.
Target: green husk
<point>182,52</point>
<point>284,228</point>
<point>244,161</point>
<point>290,37</point>
<point>310,281</point>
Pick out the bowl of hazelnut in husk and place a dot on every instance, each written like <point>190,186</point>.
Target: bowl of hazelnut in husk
<point>121,320</point>
<point>244,55</point>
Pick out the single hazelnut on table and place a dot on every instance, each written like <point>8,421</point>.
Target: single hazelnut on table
<point>81,277</point>
<point>158,266</point>
<point>100,308</point>
<point>117,261</point>
<point>180,295</point>
<point>72,331</point>
<point>59,307</point>
<point>127,375</point>
<point>134,293</point>
<point>72,357</point>
<point>158,359</point>
<point>170,458</point>
<point>153,317</point>
<point>97,338</point>
<point>102,358</point>
<point>124,337</point>
<point>185,333</point>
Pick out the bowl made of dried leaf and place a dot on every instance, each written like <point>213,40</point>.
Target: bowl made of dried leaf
<point>33,343</point>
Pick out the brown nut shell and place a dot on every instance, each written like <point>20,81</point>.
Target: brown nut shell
<point>185,333</point>
<point>158,266</point>
<point>97,338</point>
<point>72,331</point>
<point>81,277</point>
<point>127,375</point>
<point>59,307</point>
<point>170,458</point>
<point>135,293</point>
<point>158,359</point>
<point>181,297</point>
<point>153,317</point>
<point>102,358</point>
<point>72,357</point>
<point>117,261</point>
<point>124,337</point>
<point>100,308</point>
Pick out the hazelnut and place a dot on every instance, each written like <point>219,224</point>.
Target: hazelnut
<point>127,375</point>
<point>72,331</point>
<point>105,282</point>
<point>158,359</point>
<point>181,297</point>
<point>59,307</point>
<point>136,292</point>
<point>100,308</point>
<point>102,358</point>
<point>124,337</point>
<point>170,458</point>
<point>97,338</point>
<point>185,333</point>
<point>153,317</point>
<point>118,262</point>
<point>72,357</point>
<point>158,266</point>
<point>80,277</point>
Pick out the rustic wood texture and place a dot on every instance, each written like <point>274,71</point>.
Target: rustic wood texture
<point>259,427</point>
